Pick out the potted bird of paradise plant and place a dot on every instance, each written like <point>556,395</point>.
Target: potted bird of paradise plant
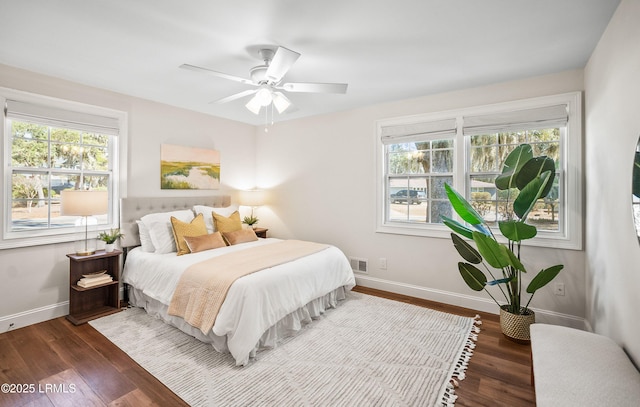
<point>529,179</point>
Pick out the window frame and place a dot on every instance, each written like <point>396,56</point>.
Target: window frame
<point>570,237</point>
<point>117,163</point>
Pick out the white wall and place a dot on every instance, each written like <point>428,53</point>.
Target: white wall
<point>320,172</point>
<point>34,283</point>
<point>612,83</point>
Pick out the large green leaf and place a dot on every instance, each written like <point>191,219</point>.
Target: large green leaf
<point>530,194</point>
<point>512,165</point>
<point>515,262</point>
<point>543,278</point>
<point>533,169</point>
<point>517,231</point>
<point>493,252</point>
<point>462,207</point>
<point>466,250</point>
<point>475,278</point>
<point>457,227</point>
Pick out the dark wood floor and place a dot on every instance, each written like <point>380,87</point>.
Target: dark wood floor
<point>59,364</point>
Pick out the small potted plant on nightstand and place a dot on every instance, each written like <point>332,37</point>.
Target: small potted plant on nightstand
<point>251,221</point>
<point>109,238</point>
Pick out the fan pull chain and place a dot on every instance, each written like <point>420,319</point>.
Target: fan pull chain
<point>266,119</point>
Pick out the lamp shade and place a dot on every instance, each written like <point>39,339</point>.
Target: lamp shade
<point>253,197</point>
<point>254,105</point>
<point>75,202</point>
<point>281,102</point>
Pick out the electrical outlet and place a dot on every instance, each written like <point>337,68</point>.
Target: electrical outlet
<point>382,263</point>
<point>558,289</point>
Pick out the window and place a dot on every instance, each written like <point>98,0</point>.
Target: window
<point>51,145</point>
<point>466,149</point>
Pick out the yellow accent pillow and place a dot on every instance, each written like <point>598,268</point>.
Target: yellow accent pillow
<point>240,236</point>
<point>205,242</point>
<point>225,224</point>
<point>196,227</point>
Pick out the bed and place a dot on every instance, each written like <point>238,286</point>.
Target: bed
<point>259,309</point>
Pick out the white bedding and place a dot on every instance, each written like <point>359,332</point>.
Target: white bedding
<point>254,303</point>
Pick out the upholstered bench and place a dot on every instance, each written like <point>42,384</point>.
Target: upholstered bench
<point>578,368</point>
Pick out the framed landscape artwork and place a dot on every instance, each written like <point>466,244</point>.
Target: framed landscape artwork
<point>189,168</point>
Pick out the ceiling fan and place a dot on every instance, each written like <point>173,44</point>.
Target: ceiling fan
<point>268,81</point>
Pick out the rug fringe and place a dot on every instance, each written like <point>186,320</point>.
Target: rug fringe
<point>449,397</point>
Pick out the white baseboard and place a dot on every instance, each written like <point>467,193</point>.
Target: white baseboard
<point>33,316</point>
<point>466,301</point>
<point>36,315</point>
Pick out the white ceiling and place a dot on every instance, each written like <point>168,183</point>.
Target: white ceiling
<point>385,50</point>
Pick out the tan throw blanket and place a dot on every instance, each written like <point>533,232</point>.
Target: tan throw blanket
<point>203,286</point>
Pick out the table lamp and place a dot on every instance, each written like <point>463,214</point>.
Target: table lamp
<point>76,202</point>
<point>252,198</point>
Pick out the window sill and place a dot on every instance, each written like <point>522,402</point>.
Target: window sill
<point>548,239</point>
<point>15,241</point>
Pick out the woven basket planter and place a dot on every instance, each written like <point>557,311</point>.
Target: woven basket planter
<point>514,326</point>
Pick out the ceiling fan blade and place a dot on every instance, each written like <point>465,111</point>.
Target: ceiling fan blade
<point>280,64</point>
<point>315,87</point>
<point>235,96</point>
<point>218,74</point>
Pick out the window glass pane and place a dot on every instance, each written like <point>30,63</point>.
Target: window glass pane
<point>29,131</point>
<point>440,209</point>
<point>442,143</point>
<point>442,161</point>
<point>410,197</point>
<point>97,182</point>
<point>544,215</point>
<point>66,155</point>
<point>409,162</point>
<point>29,214</point>
<point>483,140</point>
<point>484,159</point>
<point>437,185</point>
<point>484,197</point>
<point>28,152</point>
<point>397,188</point>
<point>66,135</point>
<point>398,163</point>
<point>96,158</point>
<point>95,139</point>
<point>27,186</point>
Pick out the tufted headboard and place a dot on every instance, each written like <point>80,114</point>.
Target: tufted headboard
<point>132,209</point>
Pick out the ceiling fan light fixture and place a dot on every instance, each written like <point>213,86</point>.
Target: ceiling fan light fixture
<point>264,96</point>
<point>254,105</point>
<point>281,102</point>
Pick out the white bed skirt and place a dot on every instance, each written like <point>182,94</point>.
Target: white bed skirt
<point>284,328</point>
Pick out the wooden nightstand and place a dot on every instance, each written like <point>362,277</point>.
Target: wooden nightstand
<point>261,232</point>
<point>89,303</point>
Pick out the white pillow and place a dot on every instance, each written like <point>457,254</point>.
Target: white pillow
<point>146,245</point>
<point>159,226</point>
<point>208,218</point>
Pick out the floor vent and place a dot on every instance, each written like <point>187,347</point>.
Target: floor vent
<point>360,265</point>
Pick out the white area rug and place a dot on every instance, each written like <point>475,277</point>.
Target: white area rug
<point>369,351</point>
